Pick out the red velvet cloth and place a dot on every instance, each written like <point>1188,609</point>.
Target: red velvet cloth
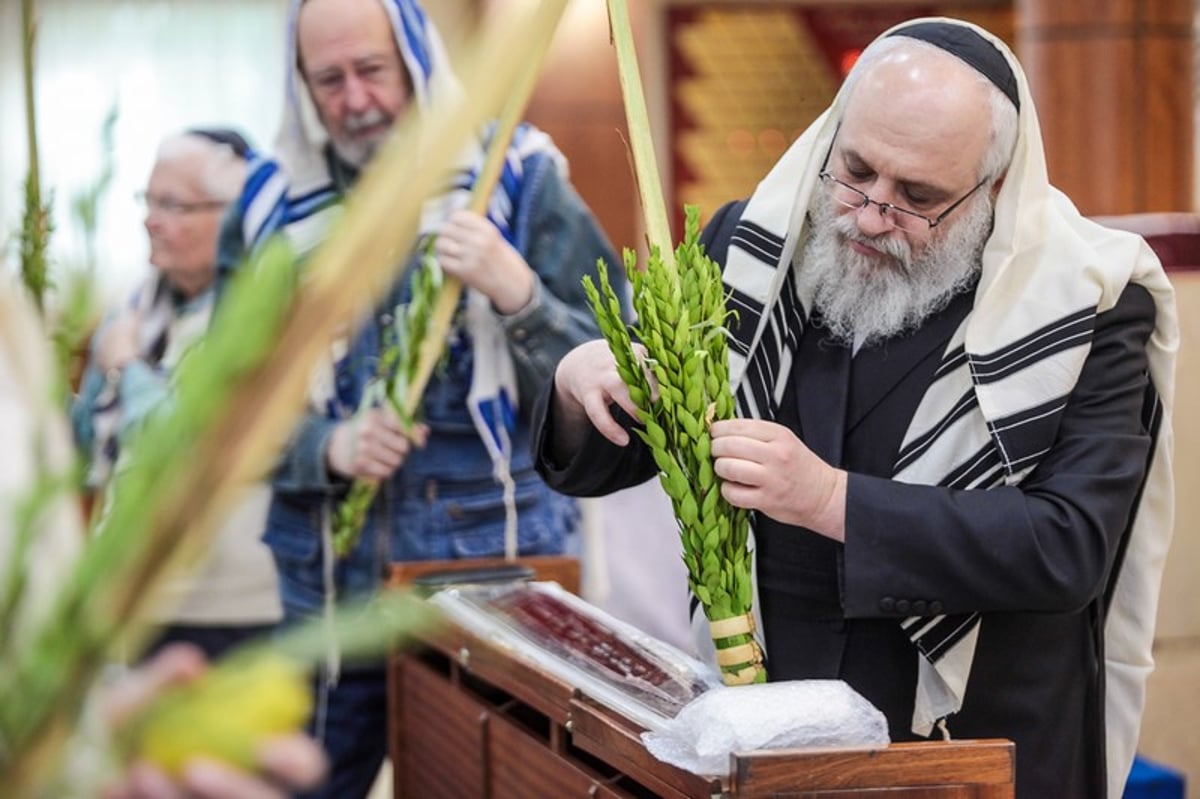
<point>1174,237</point>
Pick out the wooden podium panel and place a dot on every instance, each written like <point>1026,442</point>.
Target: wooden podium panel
<point>962,770</point>
<point>452,733</point>
<point>468,719</point>
<point>522,768</point>
<point>456,744</point>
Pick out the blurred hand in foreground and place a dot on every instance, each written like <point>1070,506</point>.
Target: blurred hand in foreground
<point>285,763</point>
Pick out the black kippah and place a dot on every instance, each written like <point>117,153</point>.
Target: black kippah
<point>231,138</point>
<point>970,47</point>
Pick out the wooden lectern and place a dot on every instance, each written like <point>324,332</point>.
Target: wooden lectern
<point>468,719</point>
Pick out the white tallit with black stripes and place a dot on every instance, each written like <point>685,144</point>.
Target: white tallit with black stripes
<point>1003,382</point>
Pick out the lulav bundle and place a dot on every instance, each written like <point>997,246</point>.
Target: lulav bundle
<point>398,365</point>
<point>681,315</point>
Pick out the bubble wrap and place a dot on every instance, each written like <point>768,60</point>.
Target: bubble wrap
<point>780,715</point>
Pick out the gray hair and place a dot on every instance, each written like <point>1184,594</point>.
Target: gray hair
<point>223,171</point>
<point>1003,141</point>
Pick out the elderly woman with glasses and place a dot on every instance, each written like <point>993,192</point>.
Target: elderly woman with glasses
<point>196,175</point>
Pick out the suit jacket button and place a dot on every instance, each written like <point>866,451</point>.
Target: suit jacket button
<point>903,606</point>
<point>887,605</point>
<point>935,607</point>
<point>920,607</point>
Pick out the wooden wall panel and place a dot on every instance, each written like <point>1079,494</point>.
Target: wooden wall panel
<point>1112,80</point>
<point>578,102</point>
<point>1092,81</point>
<point>1165,136</point>
<point>1165,12</point>
<point>746,79</point>
<point>1076,13</point>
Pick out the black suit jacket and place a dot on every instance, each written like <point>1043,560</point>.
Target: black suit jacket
<point>1034,559</point>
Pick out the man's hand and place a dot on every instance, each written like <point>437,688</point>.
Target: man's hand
<point>372,445</point>
<point>471,249</point>
<point>586,383</point>
<point>286,763</point>
<point>118,343</point>
<point>766,468</point>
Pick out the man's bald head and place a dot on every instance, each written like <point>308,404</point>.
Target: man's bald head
<point>927,93</point>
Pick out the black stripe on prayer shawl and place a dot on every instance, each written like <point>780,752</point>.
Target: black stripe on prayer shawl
<point>920,445</point>
<point>1026,435</point>
<point>939,635</point>
<point>741,327</point>
<point>763,373</point>
<point>983,469</point>
<point>754,398</point>
<point>787,320</point>
<point>757,241</point>
<point>1072,330</point>
<point>951,361</point>
<point>761,245</point>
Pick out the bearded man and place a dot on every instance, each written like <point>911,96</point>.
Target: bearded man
<point>460,485</point>
<point>955,396</point>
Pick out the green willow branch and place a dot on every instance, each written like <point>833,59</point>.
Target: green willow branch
<point>398,367</point>
<point>36,223</point>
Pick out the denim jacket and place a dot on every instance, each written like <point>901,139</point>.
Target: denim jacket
<point>444,503</point>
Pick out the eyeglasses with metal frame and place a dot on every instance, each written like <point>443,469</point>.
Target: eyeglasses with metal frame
<point>173,207</point>
<point>845,194</point>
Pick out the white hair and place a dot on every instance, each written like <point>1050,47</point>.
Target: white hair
<point>223,171</point>
<point>1003,141</point>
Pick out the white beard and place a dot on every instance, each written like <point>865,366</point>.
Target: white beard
<point>862,301</point>
<point>358,152</point>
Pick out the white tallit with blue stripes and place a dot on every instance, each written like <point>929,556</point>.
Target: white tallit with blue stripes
<point>1002,385</point>
<point>297,195</point>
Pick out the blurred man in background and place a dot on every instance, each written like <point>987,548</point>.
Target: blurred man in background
<point>468,488</point>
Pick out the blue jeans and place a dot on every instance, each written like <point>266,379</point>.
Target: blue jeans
<point>422,520</point>
<point>443,505</point>
<point>350,721</point>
